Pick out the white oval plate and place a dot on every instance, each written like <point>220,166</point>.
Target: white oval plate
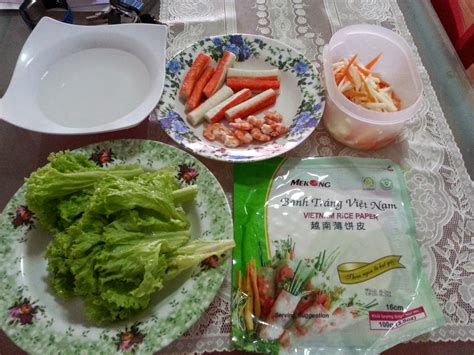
<point>301,99</point>
<point>36,320</point>
<point>73,79</point>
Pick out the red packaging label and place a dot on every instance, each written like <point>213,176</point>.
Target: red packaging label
<point>386,320</point>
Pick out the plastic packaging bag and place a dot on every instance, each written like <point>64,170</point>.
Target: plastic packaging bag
<point>326,258</point>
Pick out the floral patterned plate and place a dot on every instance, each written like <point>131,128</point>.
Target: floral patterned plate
<point>301,99</point>
<point>38,321</point>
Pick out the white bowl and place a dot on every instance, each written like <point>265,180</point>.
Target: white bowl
<point>77,79</point>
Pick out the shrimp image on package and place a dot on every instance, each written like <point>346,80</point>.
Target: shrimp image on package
<point>326,258</point>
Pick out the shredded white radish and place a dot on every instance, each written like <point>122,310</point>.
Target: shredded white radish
<point>356,81</point>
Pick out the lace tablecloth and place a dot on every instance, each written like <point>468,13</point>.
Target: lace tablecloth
<point>441,191</point>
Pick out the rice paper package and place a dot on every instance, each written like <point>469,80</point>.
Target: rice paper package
<point>326,259</point>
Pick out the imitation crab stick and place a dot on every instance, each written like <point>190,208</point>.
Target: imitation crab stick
<point>256,103</point>
<point>194,73</point>
<point>255,85</point>
<point>268,74</point>
<point>197,115</point>
<point>195,98</point>
<point>217,113</point>
<point>217,79</point>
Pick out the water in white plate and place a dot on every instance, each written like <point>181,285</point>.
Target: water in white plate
<point>93,87</point>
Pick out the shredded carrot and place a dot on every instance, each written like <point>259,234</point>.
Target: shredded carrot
<point>252,270</point>
<point>362,70</point>
<point>370,64</point>
<point>352,93</point>
<point>249,305</point>
<point>346,69</point>
<point>238,280</point>
<point>383,84</point>
<point>363,87</point>
<point>350,78</point>
<point>339,76</point>
<point>396,101</point>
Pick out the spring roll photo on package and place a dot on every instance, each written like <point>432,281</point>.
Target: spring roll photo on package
<point>326,258</point>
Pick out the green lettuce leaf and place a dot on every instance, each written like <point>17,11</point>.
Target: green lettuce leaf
<point>121,233</point>
<point>67,174</point>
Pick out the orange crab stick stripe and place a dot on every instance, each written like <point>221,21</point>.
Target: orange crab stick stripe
<point>217,79</point>
<point>256,103</point>
<point>196,95</point>
<point>275,78</point>
<point>193,74</point>
<point>217,113</point>
<point>255,85</point>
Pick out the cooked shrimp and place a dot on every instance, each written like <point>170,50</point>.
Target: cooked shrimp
<point>208,132</point>
<point>256,121</point>
<point>278,130</point>
<point>259,136</point>
<point>266,128</point>
<point>243,136</point>
<point>274,116</point>
<point>215,131</point>
<point>221,133</point>
<point>231,141</point>
<point>241,124</point>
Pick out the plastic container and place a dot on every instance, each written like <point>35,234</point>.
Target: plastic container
<point>352,124</point>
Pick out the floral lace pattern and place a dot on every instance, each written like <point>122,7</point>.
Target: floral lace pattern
<point>441,192</point>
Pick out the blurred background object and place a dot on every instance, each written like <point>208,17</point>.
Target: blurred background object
<point>76,5</point>
<point>457,17</point>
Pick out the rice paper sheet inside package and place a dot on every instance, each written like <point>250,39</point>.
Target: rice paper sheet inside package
<point>326,259</point>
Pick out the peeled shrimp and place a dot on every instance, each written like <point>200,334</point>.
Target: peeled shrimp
<point>256,121</point>
<point>222,133</point>
<point>278,130</point>
<point>243,136</point>
<point>208,132</point>
<point>215,131</point>
<point>241,124</point>
<point>258,135</point>
<point>231,141</point>
<point>274,116</point>
<point>266,129</point>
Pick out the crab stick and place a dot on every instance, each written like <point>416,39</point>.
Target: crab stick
<point>256,103</point>
<point>217,80</point>
<point>193,74</point>
<point>197,115</point>
<point>269,74</point>
<point>217,113</point>
<point>255,85</point>
<point>196,95</point>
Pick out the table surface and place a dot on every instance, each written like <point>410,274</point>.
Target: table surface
<point>24,151</point>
